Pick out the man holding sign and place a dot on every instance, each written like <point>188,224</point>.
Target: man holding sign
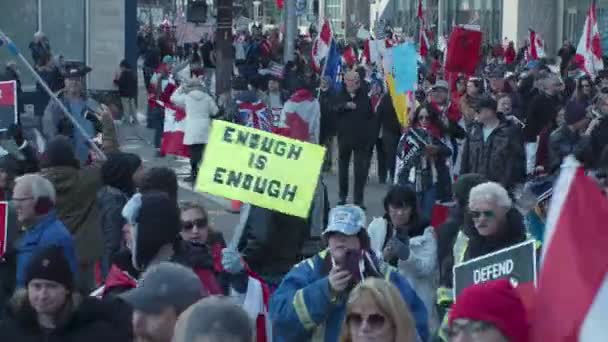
<point>278,176</point>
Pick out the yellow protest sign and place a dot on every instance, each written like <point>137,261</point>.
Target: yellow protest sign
<point>260,168</point>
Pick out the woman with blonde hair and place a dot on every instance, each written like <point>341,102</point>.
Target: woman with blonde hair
<point>375,311</point>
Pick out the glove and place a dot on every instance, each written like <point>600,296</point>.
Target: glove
<point>400,248</point>
<point>232,261</point>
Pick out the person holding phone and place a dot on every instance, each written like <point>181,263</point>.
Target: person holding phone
<point>311,300</point>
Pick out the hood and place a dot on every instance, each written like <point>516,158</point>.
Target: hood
<point>64,178</point>
<point>197,94</point>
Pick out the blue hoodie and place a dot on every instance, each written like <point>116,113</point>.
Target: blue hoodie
<point>50,231</point>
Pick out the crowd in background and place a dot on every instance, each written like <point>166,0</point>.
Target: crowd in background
<point>492,146</point>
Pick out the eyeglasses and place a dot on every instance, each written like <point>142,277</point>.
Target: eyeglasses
<point>586,85</point>
<point>469,328</point>
<point>424,117</point>
<point>199,223</point>
<point>477,214</point>
<point>374,321</point>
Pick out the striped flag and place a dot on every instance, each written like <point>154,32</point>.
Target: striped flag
<point>589,47</point>
<point>572,297</point>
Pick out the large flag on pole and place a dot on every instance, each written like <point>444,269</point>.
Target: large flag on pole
<point>590,46</point>
<point>423,38</point>
<point>572,296</point>
<point>332,65</point>
<point>320,47</point>
<point>536,50</point>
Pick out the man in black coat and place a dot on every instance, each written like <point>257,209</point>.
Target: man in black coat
<point>494,148</point>
<point>356,134</point>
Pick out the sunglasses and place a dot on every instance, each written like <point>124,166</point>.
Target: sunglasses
<point>477,214</point>
<point>374,321</point>
<point>199,223</point>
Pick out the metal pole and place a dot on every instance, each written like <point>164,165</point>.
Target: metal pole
<point>290,30</point>
<point>15,51</point>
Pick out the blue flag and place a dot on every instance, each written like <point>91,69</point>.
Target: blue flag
<point>405,66</point>
<point>332,68</point>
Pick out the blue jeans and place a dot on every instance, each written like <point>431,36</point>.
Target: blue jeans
<point>426,201</point>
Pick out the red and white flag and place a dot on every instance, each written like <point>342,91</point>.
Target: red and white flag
<point>423,37</point>
<point>300,117</point>
<point>320,47</point>
<point>572,296</point>
<point>536,50</point>
<point>590,46</point>
<point>173,131</point>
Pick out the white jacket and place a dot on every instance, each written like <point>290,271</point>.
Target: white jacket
<point>421,269</point>
<point>199,107</point>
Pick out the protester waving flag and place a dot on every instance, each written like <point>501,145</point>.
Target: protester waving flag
<point>574,307</point>
<point>321,45</point>
<point>590,46</point>
<point>536,50</point>
<point>423,39</point>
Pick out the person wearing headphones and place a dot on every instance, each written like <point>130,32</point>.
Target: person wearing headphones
<point>34,200</point>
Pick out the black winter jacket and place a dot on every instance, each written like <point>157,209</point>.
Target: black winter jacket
<point>388,117</point>
<point>127,84</point>
<point>359,126</point>
<point>541,113</point>
<point>272,242</point>
<point>91,320</point>
<point>110,202</point>
<point>501,158</point>
<point>562,142</point>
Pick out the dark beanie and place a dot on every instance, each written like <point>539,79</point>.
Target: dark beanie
<point>50,264</point>
<point>59,152</point>
<point>158,224</point>
<point>575,112</point>
<point>118,171</point>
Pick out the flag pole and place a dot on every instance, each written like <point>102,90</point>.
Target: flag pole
<point>15,51</point>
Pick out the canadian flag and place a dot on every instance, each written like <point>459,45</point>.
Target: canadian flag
<point>320,47</point>
<point>572,295</point>
<point>536,50</point>
<point>590,47</point>
<point>300,117</point>
<point>173,131</point>
<point>423,39</point>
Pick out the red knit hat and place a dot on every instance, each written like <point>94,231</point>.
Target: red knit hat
<point>495,302</point>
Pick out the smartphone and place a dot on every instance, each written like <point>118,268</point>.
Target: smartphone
<point>351,264</point>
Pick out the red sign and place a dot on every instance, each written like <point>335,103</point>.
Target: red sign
<point>8,94</point>
<point>3,227</point>
<point>8,104</point>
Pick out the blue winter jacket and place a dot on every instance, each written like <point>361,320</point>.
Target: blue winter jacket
<point>50,231</point>
<point>301,309</point>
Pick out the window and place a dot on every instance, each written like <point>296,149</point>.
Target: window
<point>20,22</point>
<point>63,22</point>
<point>333,11</point>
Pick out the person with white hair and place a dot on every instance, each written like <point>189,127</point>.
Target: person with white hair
<point>494,222</point>
<point>40,47</point>
<point>491,224</point>
<point>34,199</point>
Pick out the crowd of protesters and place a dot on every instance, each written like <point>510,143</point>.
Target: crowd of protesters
<point>103,249</point>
